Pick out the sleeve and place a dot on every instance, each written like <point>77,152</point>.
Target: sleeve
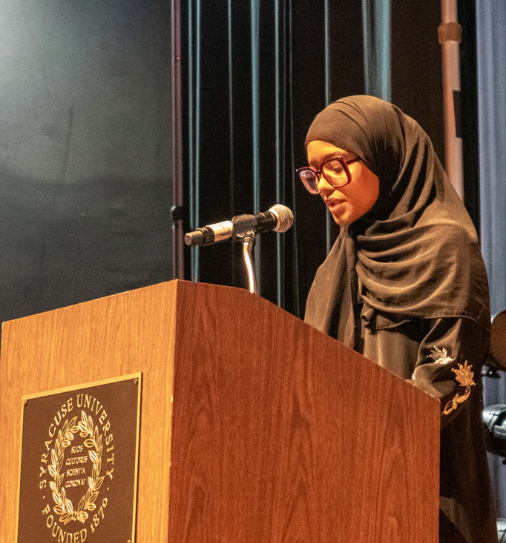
<point>450,358</point>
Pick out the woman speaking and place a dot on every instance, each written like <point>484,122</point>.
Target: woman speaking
<point>405,284</point>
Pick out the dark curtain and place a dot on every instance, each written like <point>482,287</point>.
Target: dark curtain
<point>491,56</point>
<point>256,74</point>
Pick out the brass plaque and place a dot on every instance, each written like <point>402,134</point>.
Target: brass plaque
<point>79,460</point>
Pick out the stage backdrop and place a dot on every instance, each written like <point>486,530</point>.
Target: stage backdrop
<point>84,150</point>
<point>85,187</point>
<point>257,73</point>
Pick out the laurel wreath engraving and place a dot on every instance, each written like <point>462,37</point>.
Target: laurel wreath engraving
<point>64,506</point>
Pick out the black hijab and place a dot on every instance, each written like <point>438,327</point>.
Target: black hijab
<point>415,254</point>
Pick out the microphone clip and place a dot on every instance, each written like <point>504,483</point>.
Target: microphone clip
<point>243,225</point>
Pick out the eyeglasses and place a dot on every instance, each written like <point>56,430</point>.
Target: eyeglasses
<point>335,171</point>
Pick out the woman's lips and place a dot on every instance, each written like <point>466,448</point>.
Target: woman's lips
<point>332,203</point>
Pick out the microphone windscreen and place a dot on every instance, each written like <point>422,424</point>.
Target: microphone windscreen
<point>284,215</point>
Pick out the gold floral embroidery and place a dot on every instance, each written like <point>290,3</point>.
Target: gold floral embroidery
<point>464,377</point>
<point>440,356</point>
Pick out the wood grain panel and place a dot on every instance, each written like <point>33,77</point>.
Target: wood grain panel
<point>282,434</point>
<point>102,339</point>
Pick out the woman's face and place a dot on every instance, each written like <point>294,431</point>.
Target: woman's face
<point>348,203</point>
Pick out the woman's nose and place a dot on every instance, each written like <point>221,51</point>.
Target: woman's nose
<point>323,185</point>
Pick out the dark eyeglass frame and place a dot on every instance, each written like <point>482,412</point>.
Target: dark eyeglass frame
<point>319,173</point>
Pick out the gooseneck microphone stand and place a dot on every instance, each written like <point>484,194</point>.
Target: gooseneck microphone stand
<point>278,218</point>
<point>248,243</point>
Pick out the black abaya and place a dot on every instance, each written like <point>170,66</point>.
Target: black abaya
<point>406,286</point>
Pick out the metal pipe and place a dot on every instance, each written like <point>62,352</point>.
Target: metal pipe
<point>177,146</point>
<point>450,36</point>
<point>248,242</point>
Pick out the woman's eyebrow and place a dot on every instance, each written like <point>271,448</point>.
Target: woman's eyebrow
<point>332,154</point>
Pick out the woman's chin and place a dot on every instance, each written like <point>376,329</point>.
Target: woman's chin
<point>341,218</point>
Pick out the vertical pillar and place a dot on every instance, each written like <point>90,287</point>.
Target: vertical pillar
<point>450,36</point>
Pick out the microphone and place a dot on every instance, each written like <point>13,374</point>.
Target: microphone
<point>278,218</point>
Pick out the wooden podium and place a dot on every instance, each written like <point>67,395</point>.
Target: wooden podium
<point>255,427</point>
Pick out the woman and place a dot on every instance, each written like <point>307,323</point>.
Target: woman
<point>405,283</point>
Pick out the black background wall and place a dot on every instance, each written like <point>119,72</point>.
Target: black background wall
<point>84,150</point>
